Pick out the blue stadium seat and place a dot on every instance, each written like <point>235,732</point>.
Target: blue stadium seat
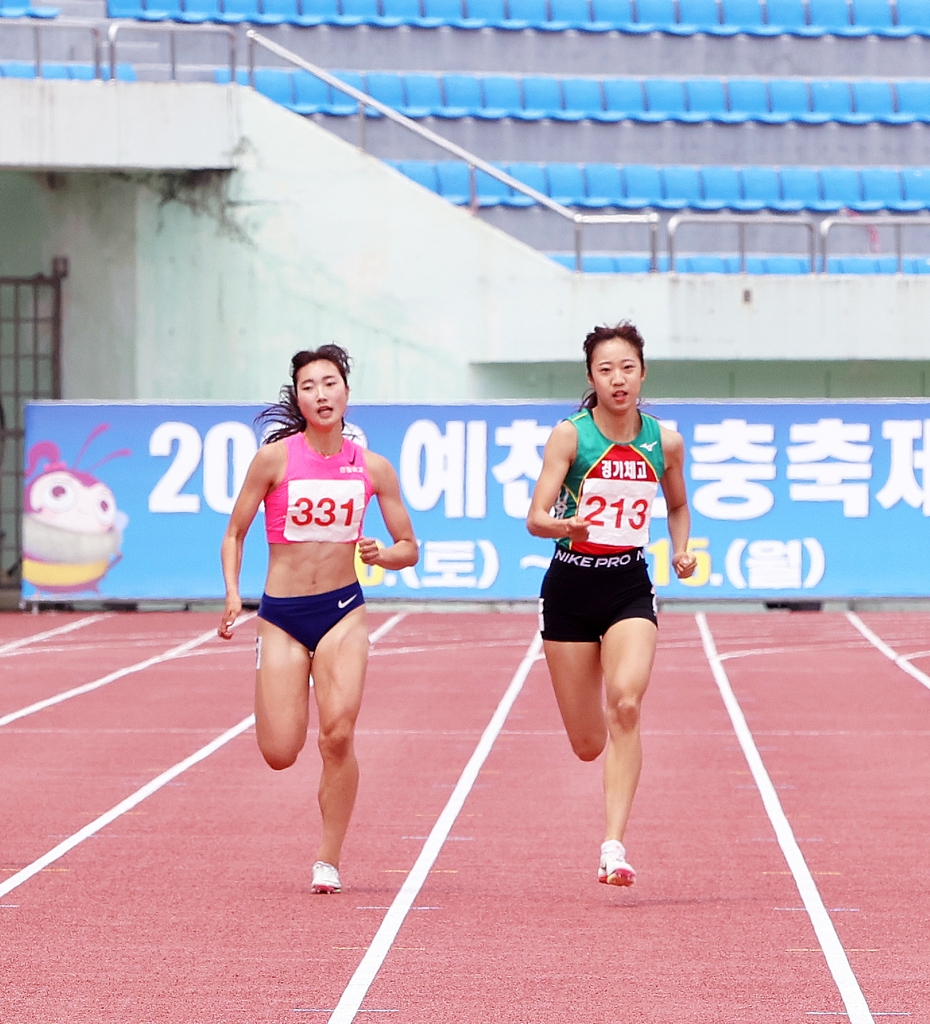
<point>800,189</point>
<point>423,172</point>
<point>841,188</point>
<point>916,265</point>
<point>789,96</point>
<point>877,17</point>
<point>665,101</point>
<point>234,12</point>
<point>632,263</point>
<point>657,16</point>
<point>883,185</point>
<point>523,14</point>
<point>760,189</point>
<point>115,9</point>
<point>681,188</point>
<point>357,12</point>
<point>603,186</point>
<point>597,263</point>
<point>342,103</point>
<point>876,101</point>
<point>566,183</point>
<point>642,187</point>
<point>501,94</point>
<point>564,259</point>
<point>399,12</point>
<point>441,12</point>
<point>790,18</point>
<point>747,17</point>
<point>387,87</point>
<point>484,14</point>
<point>610,15</point>
<point>55,71</point>
<point>831,100</point>
<point>833,17</point>
<point>195,12</point>
<point>624,98</point>
<point>423,96</point>
<point>18,69</point>
<point>915,16</point>
<point>748,99</point>
<point>278,12</point>
<point>452,177</point>
<point>491,192</point>
<point>530,174</point>
<point>276,84</point>
<point>786,265</point>
<point>82,72</point>
<point>583,96</point>
<point>317,12</point>
<point>707,97</point>
<point>702,263</point>
<point>914,99</point>
<point>160,10</point>
<point>916,183</point>
<point>567,14</point>
<point>703,16</point>
<point>542,98</point>
<point>311,94</point>
<point>463,95</point>
<point>720,188</point>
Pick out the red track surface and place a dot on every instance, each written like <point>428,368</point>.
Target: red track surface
<point>195,905</point>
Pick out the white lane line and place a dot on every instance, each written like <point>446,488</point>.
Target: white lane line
<point>15,645</point>
<point>140,666</point>
<point>361,980</point>
<point>121,808</point>
<point>837,961</point>
<point>889,652</point>
<point>386,627</point>
<point>150,787</point>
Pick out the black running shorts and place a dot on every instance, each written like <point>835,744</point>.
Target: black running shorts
<point>584,595</point>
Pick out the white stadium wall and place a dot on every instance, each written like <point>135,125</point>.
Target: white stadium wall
<point>210,233</point>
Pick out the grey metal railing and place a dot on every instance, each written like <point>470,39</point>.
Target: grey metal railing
<point>38,29</point>
<point>121,27</point>
<point>742,222</point>
<point>474,163</point>
<point>898,223</point>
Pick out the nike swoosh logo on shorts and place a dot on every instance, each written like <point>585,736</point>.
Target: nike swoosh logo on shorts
<point>345,604</point>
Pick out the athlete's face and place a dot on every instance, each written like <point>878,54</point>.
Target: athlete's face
<point>616,374</point>
<point>322,394</point>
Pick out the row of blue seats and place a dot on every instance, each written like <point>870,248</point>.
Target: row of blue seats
<point>640,263</point>
<point>804,18</point>
<point>646,100</point>
<point>67,72</point>
<point>708,188</point>
<point>12,9</point>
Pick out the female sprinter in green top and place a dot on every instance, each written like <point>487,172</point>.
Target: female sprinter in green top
<point>601,470</point>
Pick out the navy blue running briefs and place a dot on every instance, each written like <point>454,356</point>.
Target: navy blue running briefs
<point>308,619</point>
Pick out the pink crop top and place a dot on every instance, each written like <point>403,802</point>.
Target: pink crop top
<point>320,498</point>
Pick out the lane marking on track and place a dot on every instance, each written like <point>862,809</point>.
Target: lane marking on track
<point>15,645</point>
<point>361,980</point>
<point>830,944</point>
<point>166,777</point>
<point>899,659</point>
<point>140,666</point>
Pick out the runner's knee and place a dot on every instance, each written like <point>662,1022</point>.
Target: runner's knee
<point>335,741</point>
<point>623,714</point>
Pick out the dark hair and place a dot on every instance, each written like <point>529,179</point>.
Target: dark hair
<point>624,331</point>
<point>286,411</point>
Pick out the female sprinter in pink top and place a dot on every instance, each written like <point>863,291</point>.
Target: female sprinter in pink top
<point>601,470</point>
<point>315,485</point>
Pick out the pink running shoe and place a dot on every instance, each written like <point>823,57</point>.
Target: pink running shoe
<point>613,869</point>
<point>325,878</point>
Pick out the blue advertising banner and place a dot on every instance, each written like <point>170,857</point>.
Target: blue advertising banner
<point>789,500</point>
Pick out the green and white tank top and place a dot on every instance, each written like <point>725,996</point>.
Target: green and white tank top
<point>612,486</point>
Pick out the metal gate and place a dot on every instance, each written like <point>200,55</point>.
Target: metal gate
<point>30,368</point>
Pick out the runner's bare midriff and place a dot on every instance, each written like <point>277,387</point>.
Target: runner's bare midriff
<point>312,567</point>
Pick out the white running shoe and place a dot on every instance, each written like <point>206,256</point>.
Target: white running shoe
<point>325,878</point>
<point>613,869</point>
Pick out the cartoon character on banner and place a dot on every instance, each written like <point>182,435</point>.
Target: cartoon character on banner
<point>72,529</point>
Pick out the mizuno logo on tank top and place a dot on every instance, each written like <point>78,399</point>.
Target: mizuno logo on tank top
<point>611,486</point>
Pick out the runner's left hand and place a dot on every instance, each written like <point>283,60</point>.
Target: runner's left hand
<point>684,564</point>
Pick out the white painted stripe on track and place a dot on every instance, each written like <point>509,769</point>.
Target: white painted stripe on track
<point>899,659</point>
<point>837,961</point>
<point>140,666</point>
<point>150,787</point>
<point>15,645</point>
<point>357,988</point>
<point>121,808</point>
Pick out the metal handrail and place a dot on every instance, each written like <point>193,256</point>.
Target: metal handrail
<point>172,30</point>
<point>742,221</point>
<point>898,223</point>
<point>71,24</point>
<point>475,163</point>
